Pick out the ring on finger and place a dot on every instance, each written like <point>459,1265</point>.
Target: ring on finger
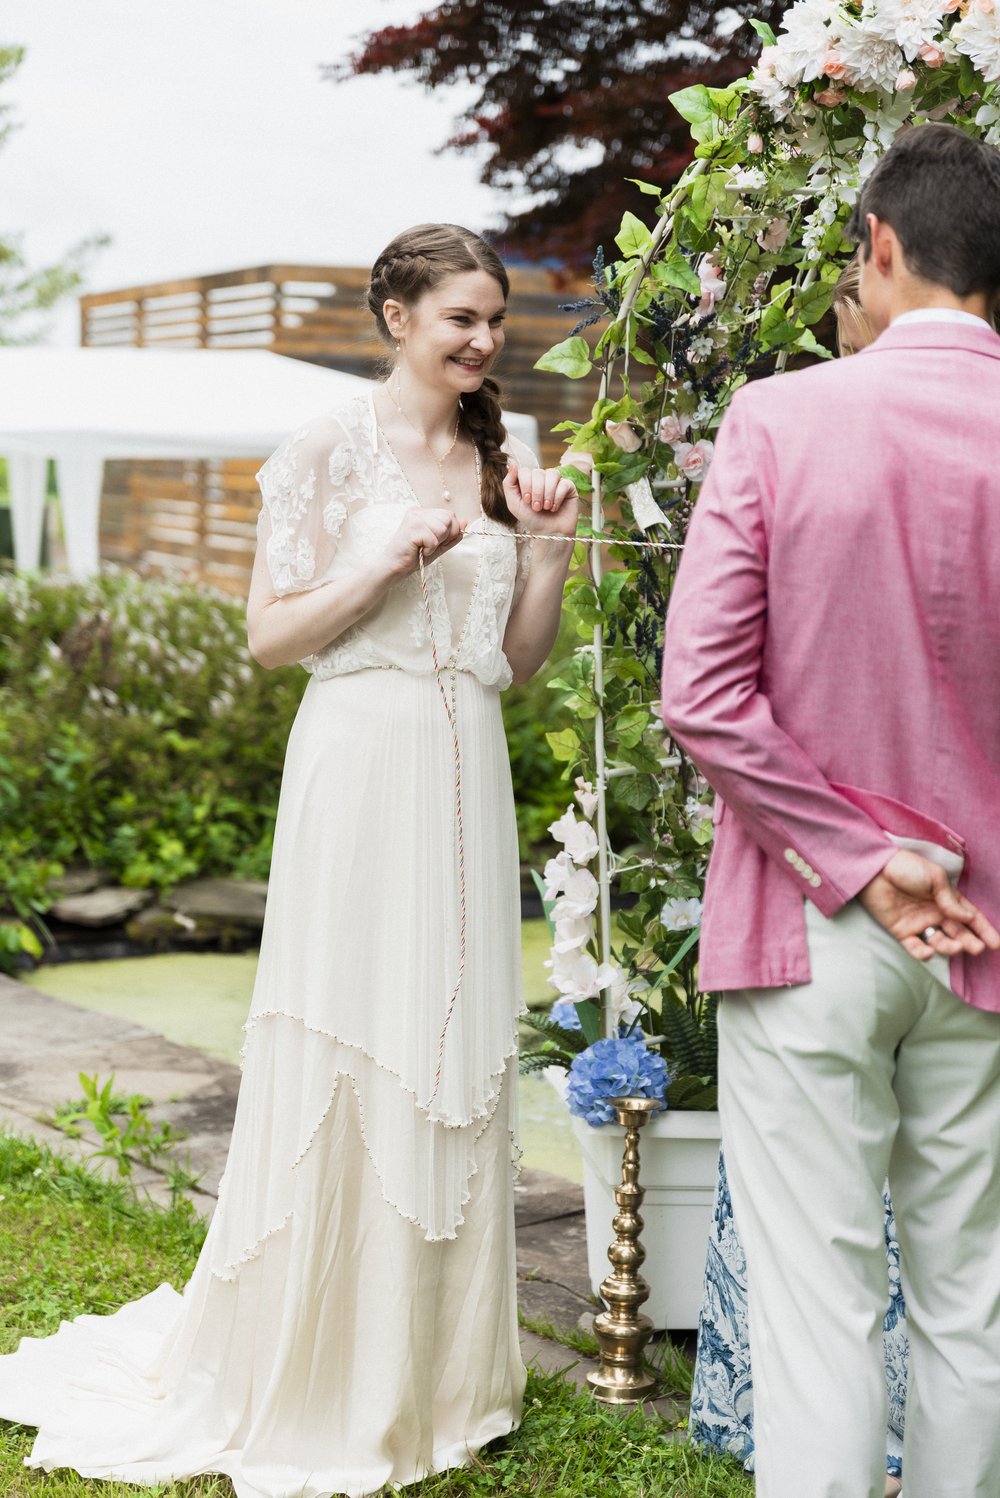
<point>928,932</point>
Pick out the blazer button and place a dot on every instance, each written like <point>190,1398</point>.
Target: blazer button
<point>815,881</point>
<point>791,856</point>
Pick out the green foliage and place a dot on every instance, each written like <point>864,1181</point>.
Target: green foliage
<point>137,737</point>
<point>134,1138</point>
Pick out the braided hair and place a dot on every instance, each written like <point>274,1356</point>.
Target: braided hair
<point>416,262</point>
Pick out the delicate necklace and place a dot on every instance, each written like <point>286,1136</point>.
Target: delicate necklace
<point>446,494</point>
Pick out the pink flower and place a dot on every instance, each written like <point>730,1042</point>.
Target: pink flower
<point>906,78</point>
<point>713,287</point>
<point>986,6</point>
<point>673,427</point>
<point>755,144</point>
<point>931,54</point>
<point>623,435</point>
<point>832,65</point>
<point>693,458</point>
<point>774,235</point>
<point>951,7</point>
<point>831,96</point>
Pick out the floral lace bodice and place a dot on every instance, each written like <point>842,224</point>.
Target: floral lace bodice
<point>333,495</point>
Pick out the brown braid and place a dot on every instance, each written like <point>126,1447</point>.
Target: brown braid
<point>416,262</point>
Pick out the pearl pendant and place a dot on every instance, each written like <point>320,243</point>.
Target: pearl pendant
<point>446,494</point>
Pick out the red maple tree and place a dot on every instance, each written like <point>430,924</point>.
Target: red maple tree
<point>573,99</point>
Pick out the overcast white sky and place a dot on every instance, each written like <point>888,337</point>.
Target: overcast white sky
<point>200,135</point>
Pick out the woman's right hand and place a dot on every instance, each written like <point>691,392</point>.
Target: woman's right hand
<point>423,529</point>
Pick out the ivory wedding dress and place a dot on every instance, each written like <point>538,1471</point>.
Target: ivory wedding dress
<point>351,1320</point>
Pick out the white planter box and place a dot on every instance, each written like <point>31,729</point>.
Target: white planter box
<point>679,1155</point>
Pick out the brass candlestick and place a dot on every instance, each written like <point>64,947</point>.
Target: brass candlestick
<point>622,1329</point>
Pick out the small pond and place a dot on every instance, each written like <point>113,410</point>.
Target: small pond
<point>201,1000</point>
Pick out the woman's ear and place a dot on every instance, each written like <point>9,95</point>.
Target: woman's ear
<point>395,317</point>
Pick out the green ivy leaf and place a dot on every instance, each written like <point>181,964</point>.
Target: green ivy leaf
<point>630,725</point>
<point>646,187</point>
<point>633,238</point>
<point>570,358</point>
<point>565,745</point>
<point>966,77</point>
<point>676,271</point>
<point>764,31</point>
<point>577,477</point>
<point>635,791</point>
<point>694,104</point>
<point>813,302</point>
<point>610,589</point>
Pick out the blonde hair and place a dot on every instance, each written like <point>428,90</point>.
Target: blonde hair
<point>847,304</point>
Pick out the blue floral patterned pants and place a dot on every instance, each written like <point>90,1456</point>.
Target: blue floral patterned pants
<point>722,1394</point>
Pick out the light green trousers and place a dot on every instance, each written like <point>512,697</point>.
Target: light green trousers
<point>874,1069</point>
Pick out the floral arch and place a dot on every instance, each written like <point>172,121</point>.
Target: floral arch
<point>733,279</point>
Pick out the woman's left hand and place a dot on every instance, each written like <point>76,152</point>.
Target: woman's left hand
<point>541,499</point>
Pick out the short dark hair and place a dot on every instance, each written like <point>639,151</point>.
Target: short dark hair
<point>939,189</point>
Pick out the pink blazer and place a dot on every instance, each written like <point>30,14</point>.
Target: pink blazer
<point>832,655</point>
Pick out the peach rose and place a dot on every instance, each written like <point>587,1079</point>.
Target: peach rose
<point>832,66</point>
<point>693,458</point>
<point>673,427</point>
<point>774,235</point>
<point>906,78</point>
<point>931,54</point>
<point>755,144</point>
<point>713,287</point>
<point>623,435</point>
<point>831,96</point>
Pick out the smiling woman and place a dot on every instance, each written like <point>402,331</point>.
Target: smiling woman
<point>369,1181</point>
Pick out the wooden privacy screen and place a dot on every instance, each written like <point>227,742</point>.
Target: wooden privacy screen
<point>199,518</point>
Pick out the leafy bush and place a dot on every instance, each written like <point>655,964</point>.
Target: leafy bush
<point>139,738</point>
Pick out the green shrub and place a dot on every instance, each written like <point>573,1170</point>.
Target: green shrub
<point>137,737</point>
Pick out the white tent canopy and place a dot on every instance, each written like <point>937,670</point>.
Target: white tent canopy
<point>84,406</point>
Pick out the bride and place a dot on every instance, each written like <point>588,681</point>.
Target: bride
<point>351,1321</point>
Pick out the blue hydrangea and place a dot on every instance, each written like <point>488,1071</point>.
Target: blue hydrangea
<point>613,1068</point>
<point>563,1012</point>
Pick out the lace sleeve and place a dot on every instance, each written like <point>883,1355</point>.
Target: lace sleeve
<point>305,497</point>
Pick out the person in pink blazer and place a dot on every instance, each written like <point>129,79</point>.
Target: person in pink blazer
<point>832,664</point>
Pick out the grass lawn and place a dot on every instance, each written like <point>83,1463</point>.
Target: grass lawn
<point>71,1243</point>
